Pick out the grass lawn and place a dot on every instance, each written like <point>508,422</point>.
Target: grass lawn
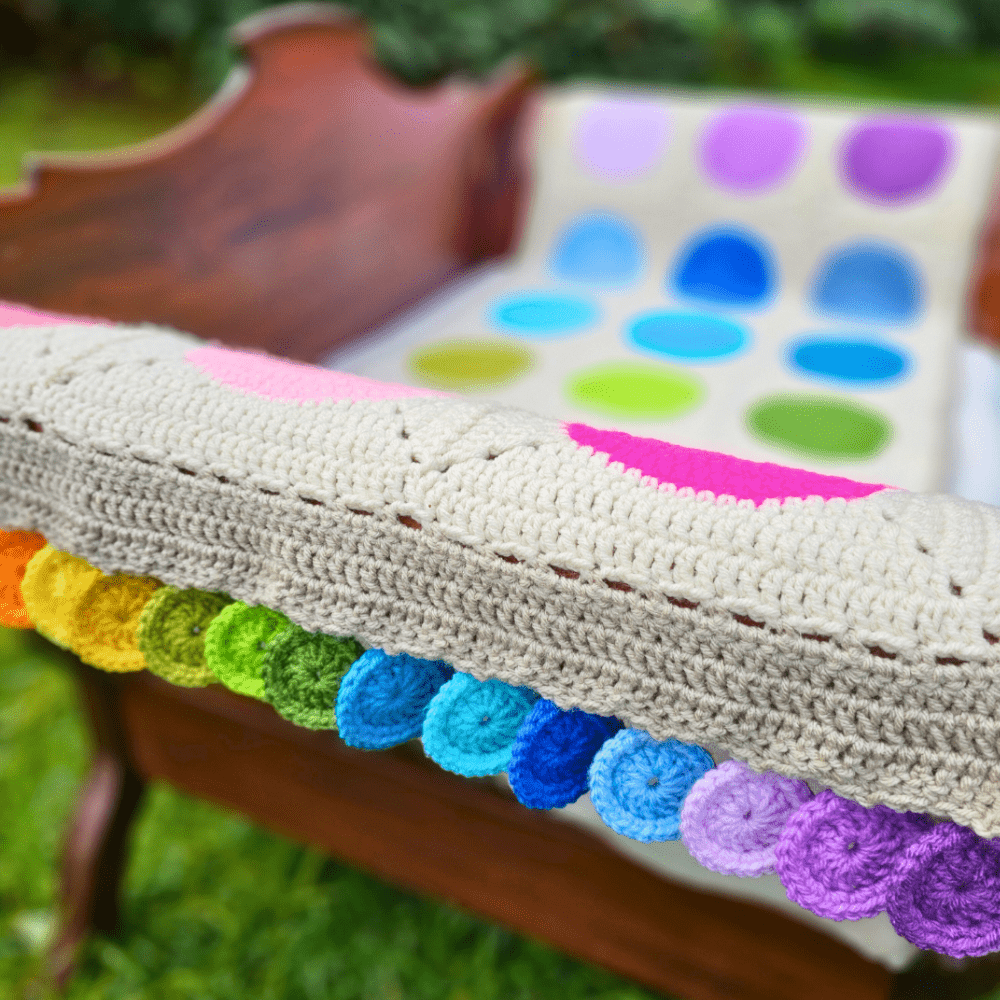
<point>216,907</point>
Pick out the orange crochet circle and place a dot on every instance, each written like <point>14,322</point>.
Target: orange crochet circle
<point>16,548</point>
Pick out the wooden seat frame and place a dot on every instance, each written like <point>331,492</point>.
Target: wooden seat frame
<point>312,201</point>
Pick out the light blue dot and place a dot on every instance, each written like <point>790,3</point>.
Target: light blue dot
<point>727,267</point>
<point>869,282</point>
<point>543,314</point>
<point>688,336</point>
<point>603,249</point>
<point>851,362</point>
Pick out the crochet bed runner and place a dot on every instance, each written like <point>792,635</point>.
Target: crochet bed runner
<point>585,610</point>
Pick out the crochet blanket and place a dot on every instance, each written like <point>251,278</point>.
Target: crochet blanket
<point>806,625</point>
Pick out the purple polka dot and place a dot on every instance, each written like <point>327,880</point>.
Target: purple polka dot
<point>619,140</point>
<point>752,148</point>
<point>894,160</point>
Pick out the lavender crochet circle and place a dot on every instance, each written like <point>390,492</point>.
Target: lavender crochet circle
<point>750,149</point>
<point>836,858</point>
<point>619,140</point>
<point>946,892</point>
<point>733,816</point>
<point>894,160</point>
<point>637,784</point>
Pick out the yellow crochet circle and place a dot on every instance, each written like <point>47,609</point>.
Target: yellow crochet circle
<point>107,615</point>
<point>53,584</point>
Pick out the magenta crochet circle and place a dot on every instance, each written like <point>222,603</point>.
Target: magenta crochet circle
<point>894,160</point>
<point>733,816</point>
<point>620,140</point>
<point>751,149</point>
<point>836,858</point>
<point>946,893</point>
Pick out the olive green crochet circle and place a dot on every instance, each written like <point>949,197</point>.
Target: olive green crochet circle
<point>171,634</point>
<point>302,674</point>
<point>235,642</point>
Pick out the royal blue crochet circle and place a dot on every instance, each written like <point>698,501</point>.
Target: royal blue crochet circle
<point>383,699</point>
<point>638,784</point>
<point>726,267</point>
<point>552,754</point>
<point>471,725</point>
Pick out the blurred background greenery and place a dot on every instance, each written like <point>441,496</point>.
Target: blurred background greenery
<point>214,906</point>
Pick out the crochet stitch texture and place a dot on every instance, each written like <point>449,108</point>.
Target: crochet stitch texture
<point>235,643</point>
<point>848,641</point>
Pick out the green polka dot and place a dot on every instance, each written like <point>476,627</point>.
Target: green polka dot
<point>820,426</point>
<point>634,390</point>
<point>470,365</point>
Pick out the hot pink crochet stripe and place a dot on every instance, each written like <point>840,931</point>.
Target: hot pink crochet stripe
<point>275,378</point>
<point>723,475</point>
<point>14,315</point>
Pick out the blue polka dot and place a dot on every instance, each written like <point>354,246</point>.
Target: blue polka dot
<point>544,314</point>
<point>869,282</point>
<point>851,362</point>
<point>688,336</point>
<point>727,267</point>
<point>603,249</point>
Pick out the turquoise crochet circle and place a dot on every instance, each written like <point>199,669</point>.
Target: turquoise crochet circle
<point>471,725</point>
<point>383,699</point>
<point>235,643</point>
<point>638,784</point>
<point>302,672</point>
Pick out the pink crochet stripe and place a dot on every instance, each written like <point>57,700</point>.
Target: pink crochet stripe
<point>14,315</point>
<point>723,475</point>
<point>275,378</point>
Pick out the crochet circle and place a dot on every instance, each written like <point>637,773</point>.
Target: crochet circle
<point>302,672</point>
<point>945,894</point>
<point>836,858</point>
<point>52,585</point>
<point>235,642</point>
<point>383,699</point>
<point>637,784</point>
<point>171,634</point>
<point>471,725</point>
<point>552,753</point>
<point>733,816</point>
<point>104,625</point>
<point>16,548</point>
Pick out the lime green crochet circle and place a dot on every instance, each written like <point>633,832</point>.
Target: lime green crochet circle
<point>302,674</point>
<point>171,634</point>
<point>235,642</point>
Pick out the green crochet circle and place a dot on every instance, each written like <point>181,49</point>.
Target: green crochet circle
<point>302,674</point>
<point>171,634</point>
<point>235,642</point>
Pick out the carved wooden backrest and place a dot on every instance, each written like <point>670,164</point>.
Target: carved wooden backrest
<point>313,199</point>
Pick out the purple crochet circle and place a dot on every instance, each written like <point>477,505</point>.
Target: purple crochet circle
<point>752,148</point>
<point>893,160</point>
<point>836,858</point>
<point>620,140</point>
<point>946,892</point>
<point>733,816</point>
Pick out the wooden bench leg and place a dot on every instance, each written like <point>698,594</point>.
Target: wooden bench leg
<point>94,852</point>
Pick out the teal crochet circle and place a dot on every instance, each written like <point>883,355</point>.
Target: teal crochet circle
<point>302,672</point>
<point>235,643</point>
<point>383,699</point>
<point>471,725</point>
<point>638,784</point>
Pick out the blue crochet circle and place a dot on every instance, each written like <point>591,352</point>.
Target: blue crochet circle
<point>552,753</point>
<point>471,725</point>
<point>638,784</point>
<point>383,699</point>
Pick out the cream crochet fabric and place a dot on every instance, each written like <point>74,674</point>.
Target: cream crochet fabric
<point>847,641</point>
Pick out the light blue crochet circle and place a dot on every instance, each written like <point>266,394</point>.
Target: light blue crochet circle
<point>383,699</point>
<point>471,725</point>
<point>638,784</point>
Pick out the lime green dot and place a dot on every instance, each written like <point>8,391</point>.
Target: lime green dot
<point>634,390</point>
<point>470,365</point>
<point>820,426</point>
